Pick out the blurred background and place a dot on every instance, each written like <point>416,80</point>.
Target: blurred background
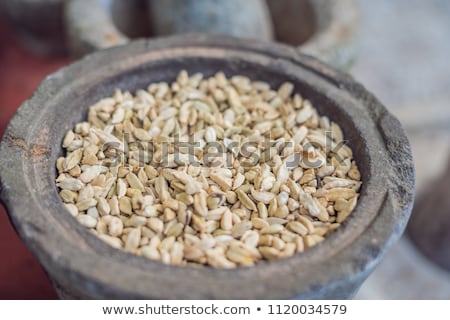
<point>399,50</point>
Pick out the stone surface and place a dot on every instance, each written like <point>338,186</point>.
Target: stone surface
<point>84,266</point>
<point>321,28</point>
<point>245,19</point>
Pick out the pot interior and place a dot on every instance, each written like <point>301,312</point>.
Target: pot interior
<point>77,103</point>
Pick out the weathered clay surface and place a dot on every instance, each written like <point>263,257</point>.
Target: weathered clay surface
<point>85,267</point>
<point>429,227</point>
<point>324,29</point>
<point>246,19</point>
<point>40,23</point>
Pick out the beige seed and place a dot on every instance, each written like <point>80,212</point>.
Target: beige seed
<point>73,159</point>
<point>71,184</point>
<point>87,221</point>
<point>115,227</point>
<point>68,196</point>
<point>239,229</point>
<point>133,239</point>
<point>112,241</point>
<point>176,254</point>
<point>73,210</point>
<point>240,256</point>
<point>224,182</point>
<point>340,193</point>
<point>167,203</point>
<point>155,224</point>
<point>134,182</point>
<point>217,260</point>
<point>103,206</point>
<point>272,229</point>
<point>125,205</point>
<point>297,227</point>
<point>269,253</point>
<point>193,253</point>
<point>150,252</point>
<point>86,204</point>
<point>259,223</point>
<point>245,200</point>
<point>175,230</point>
<point>226,222</point>
<point>114,206</point>
<point>200,205</point>
<point>262,196</point>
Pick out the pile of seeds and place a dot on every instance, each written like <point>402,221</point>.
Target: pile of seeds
<point>218,172</point>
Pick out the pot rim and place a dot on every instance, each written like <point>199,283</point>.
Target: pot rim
<point>77,259</point>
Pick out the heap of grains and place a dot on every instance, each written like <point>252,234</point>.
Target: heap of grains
<point>147,174</point>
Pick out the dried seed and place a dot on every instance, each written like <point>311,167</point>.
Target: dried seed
<point>125,205</point>
<point>269,253</point>
<point>150,252</point>
<point>113,242</point>
<point>245,200</point>
<point>87,221</point>
<point>239,229</point>
<point>115,227</point>
<point>297,227</point>
<point>259,223</point>
<point>134,182</point>
<point>172,203</point>
<point>262,196</point>
<point>272,229</point>
<point>155,224</point>
<point>86,204</point>
<point>133,239</point>
<point>226,222</point>
<point>72,209</point>
<point>240,256</point>
<point>70,184</point>
<point>340,193</point>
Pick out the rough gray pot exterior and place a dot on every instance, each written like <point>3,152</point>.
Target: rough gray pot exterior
<point>39,22</point>
<point>83,266</point>
<point>322,28</point>
<point>246,19</point>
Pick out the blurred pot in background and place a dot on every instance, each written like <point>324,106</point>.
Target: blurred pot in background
<point>322,28</point>
<point>429,227</point>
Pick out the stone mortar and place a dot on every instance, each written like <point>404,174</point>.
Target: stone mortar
<point>83,266</point>
<point>322,28</point>
<point>246,19</point>
<point>429,227</point>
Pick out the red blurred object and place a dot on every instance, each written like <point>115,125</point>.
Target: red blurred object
<point>21,276</point>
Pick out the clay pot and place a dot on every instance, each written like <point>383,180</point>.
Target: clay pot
<point>246,19</point>
<point>322,28</point>
<point>429,228</point>
<point>40,24</point>
<point>83,266</point>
